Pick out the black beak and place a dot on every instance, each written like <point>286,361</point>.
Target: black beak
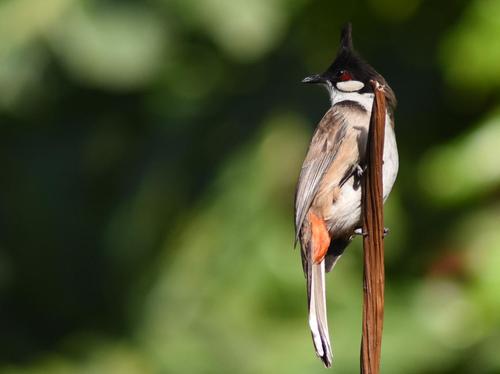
<point>316,78</point>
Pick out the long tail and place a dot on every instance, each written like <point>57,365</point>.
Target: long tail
<point>317,312</point>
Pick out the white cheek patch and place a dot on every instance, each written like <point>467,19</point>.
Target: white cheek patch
<point>350,86</point>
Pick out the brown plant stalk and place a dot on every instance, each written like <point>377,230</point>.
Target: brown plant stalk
<point>373,240</point>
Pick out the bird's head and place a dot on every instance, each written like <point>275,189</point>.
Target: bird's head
<point>349,72</point>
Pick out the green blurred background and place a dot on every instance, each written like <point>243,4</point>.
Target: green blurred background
<point>149,152</point>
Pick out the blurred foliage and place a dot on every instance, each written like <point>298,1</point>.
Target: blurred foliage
<point>149,152</point>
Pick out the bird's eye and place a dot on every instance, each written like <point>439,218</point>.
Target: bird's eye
<point>344,75</point>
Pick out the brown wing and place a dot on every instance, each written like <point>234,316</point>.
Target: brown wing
<point>323,150</point>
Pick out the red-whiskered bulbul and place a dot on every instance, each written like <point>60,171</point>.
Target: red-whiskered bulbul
<point>328,195</point>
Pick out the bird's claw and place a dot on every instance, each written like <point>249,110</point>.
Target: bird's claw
<point>359,171</point>
<point>359,231</point>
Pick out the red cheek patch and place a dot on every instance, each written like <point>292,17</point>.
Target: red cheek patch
<point>345,76</point>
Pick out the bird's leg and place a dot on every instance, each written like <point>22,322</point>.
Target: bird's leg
<point>355,170</point>
<point>358,172</point>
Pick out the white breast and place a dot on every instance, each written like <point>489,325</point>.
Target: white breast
<point>345,213</point>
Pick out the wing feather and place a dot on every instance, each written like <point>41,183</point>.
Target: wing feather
<point>324,148</point>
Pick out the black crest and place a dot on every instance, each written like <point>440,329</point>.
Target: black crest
<point>346,37</point>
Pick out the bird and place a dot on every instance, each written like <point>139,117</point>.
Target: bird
<point>328,193</point>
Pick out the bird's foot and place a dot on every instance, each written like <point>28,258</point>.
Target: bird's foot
<point>359,170</point>
<point>359,231</point>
